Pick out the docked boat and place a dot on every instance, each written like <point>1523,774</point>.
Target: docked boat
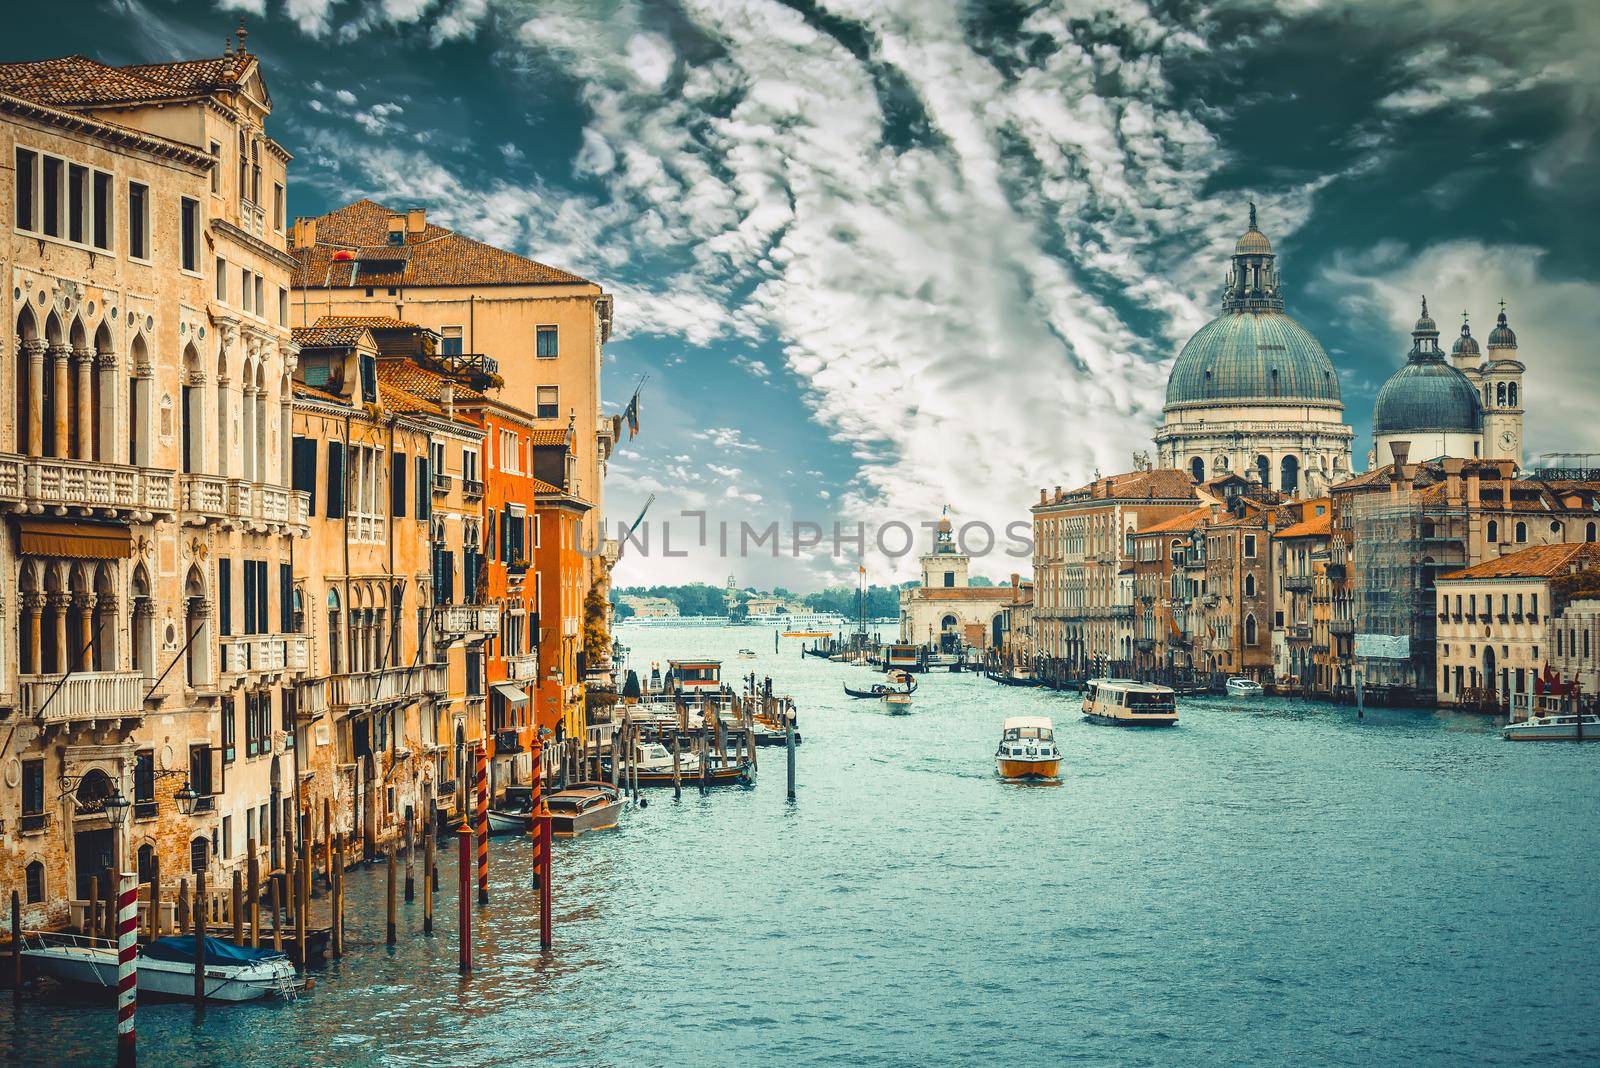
<point>1556,727</point>
<point>165,967</point>
<point>655,768</point>
<point>1011,680</point>
<point>897,704</point>
<point>1239,686</point>
<point>1128,703</point>
<point>584,807</point>
<point>510,816</point>
<point>1028,749</point>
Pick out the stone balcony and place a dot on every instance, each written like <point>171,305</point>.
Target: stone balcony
<point>388,686</point>
<point>84,697</point>
<point>215,498</point>
<point>462,620</point>
<point>523,668</point>
<point>265,654</point>
<point>88,486</point>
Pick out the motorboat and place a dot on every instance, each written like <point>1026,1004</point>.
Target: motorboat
<point>1028,749</point>
<point>897,704</point>
<point>1554,727</point>
<point>511,815</point>
<point>165,967</point>
<point>747,654</point>
<point>584,807</point>
<point>655,767</point>
<point>1239,686</point>
<point>1128,703</point>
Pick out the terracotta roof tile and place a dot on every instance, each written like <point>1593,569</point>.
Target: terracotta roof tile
<point>78,81</point>
<point>1539,561</point>
<point>313,393</point>
<point>548,437</point>
<point>397,399</point>
<point>421,382</point>
<point>1316,526</point>
<point>437,256</point>
<point>1187,521</point>
<point>316,336</point>
<point>372,322</point>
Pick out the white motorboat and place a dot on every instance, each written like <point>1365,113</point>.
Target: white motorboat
<point>1239,686</point>
<point>1028,749</point>
<point>1128,703</point>
<point>747,654</point>
<point>164,967</point>
<point>1557,727</point>
<point>897,704</point>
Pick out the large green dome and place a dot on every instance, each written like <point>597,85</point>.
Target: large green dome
<point>1253,355</point>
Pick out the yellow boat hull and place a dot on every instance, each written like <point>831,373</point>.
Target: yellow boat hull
<point>1029,769</point>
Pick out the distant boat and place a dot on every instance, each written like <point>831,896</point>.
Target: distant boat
<point>1012,680</point>
<point>584,807</point>
<point>1556,727</point>
<point>1028,749</point>
<point>510,816</point>
<point>165,966</point>
<point>747,654</point>
<point>1127,703</point>
<point>1239,686</point>
<point>897,704</point>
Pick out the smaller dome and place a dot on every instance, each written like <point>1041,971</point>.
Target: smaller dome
<point>1253,243</point>
<point>1502,337</point>
<point>1425,323</point>
<point>1466,344</point>
<point>1427,395</point>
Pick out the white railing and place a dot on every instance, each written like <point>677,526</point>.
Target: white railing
<point>85,484</point>
<point>469,618</point>
<point>311,697</point>
<point>523,668</point>
<point>218,497</point>
<point>84,696</point>
<point>205,494</point>
<point>391,684</point>
<point>265,653</point>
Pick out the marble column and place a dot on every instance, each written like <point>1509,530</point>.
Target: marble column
<point>61,602</point>
<point>63,391</point>
<point>33,604</point>
<point>84,361</point>
<point>35,350</point>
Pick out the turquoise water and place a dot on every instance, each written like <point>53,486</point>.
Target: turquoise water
<point>1268,882</point>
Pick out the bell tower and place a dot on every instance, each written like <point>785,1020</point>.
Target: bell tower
<point>1501,380</point>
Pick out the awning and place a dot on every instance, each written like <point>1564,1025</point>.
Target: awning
<point>81,541</point>
<point>514,697</point>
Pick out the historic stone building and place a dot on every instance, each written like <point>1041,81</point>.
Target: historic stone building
<point>1253,392</point>
<point>147,642</point>
<point>944,610</point>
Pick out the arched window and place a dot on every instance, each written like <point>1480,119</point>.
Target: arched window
<point>1264,469</point>
<point>1522,532</point>
<point>1249,585</point>
<point>147,862</point>
<point>1588,532</point>
<point>198,853</point>
<point>1500,394</point>
<point>1250,630</point>
<point>1511,394</point>
<point>1494,532</point>
<point>1289,474</point>
<point>1197,469</point>
<point>35,879</point>
<point>333,632</point>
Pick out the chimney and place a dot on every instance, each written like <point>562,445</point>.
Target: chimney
<point>1474,487</point>
<point>305,232</point>
<point>1452,479</point>
<point>447,398</point>
<point>1041,495</point>
<point>416,221</point>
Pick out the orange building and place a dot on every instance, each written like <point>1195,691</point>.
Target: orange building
<point>560,583</point>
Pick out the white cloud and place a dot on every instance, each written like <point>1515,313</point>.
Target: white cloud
<point>345,96</point>
<point>312,16</point>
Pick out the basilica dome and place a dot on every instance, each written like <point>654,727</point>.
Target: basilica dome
<point>1426,393</point>
<point>1249,355</point>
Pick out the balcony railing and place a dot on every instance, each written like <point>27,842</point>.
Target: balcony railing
<point>85,484</point>
<point>265,653</point>
<point>387,686</point>
<point>1342,626</point>
<point>1300,631</point>
<point>217,497</point>
<point>85,696</point>
<point>441,483</point>
<point>461,619</point>
<point>472,489</point>
<point>523,667</point>
<point>1298,583</point>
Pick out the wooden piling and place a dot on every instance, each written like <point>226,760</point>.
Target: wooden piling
<point>183,906</point>
<point>302,908</point>
<point>677,768</point>
<point>16,945</point>
<point>483,823</point>
<point>109,908</point>
<point>411,852</point>
<point>155,896</point>
<point>389,895</point>
<point>200,939</point>
<point>464,903</point>
<point>91,918</point>
<point>273,883</point>
<point>788,742</point>
<point>253,892</point>
<point>429,875</point>
<point>236,906</point>
<point>336,920</point>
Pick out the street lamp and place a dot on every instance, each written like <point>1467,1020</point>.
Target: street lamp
<point>116,808</point>
<point>186,797</point>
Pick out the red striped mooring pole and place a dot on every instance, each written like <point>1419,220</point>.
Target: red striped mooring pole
<point>127,968</point>
<point>541,844</point>
<point>464,883</point>
<point>483,824</point>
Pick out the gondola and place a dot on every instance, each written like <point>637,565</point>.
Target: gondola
<point>824,654</point>
<point>879,690</point>
<point>1011,680</point>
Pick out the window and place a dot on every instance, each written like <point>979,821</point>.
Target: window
<point>450,341</point>
<point>469,470</point>
<point>1522,532</point>
<point>101,221</point>
<point>510,452</point>
<point>77,197</point>
<point>335,479</point>
<point>144,784</point>
<point>1494,531</point>
<point>369,378</point>
<point>54,173</point>
<point>261,296</point>
<point>397,484</point>
<point>230,725</point>
<point>189,234</point>
<point>424,496</point>
<point>277,206</point>
<point>27,179</point>
<point>545,342</point>
<point>224,596</point>
<point>1249,546</point>
<point>303,468</point>
<point>1249,585</point>
<point>222,280</point>
<point>32,790</point>
<point>227,837</point>
<point>283,306</point>
<point>245,289</point>
<point>949,579</point>
<point>258,722</point>
<point>216,167</point>
<point>36,882</point>
<point>548,402</point>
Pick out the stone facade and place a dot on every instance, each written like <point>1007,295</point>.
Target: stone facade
<point>944,610</point>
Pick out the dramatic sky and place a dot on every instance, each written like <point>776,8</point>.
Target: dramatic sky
<point>879,256</point>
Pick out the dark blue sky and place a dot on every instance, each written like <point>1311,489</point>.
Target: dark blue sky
<point>881,256</point>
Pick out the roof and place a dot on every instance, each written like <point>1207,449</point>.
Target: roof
<point>1427,394</point>
<point>421,382</point>
<point>321,336</point>
<point>371,322</point>
<point>1260,355</point>
<point>549,437</point>
<point>1187,521</point>
<point>1316,526</point>
<point>1540,561</point>
<point>1159,483</point>
<point>437,256</point>
<point>313,393</point>
<point>1021,722</point>
<point>78,81</point>
<point>398,400</point>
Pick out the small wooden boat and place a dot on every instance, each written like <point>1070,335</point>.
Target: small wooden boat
<point>510,816</point>
<point>1009,680</point>
<point>165,967</point>
<point>1239,686</point>
<point>897,704</point>
<point>655,768</point>
<point>1028,749</point>
<point>1127,703</point>
<point>905,684</point>
<point>584,807</point>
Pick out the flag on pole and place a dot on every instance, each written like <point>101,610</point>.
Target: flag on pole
<point>631,415</point>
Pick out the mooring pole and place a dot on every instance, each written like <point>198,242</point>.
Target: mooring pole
<point>547,878</point>
<point>483,824</point>
<point>464,886</point>
<point>16,946</point>
<point>411,857</point>
<point>389,895</point>
<point>127,967</point>
<point>253,891</point>
<point>788,741</point>
<point>200,911</point>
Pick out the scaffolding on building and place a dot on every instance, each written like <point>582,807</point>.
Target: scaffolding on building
<point>1392,573</point>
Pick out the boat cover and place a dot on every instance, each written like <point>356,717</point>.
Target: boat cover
<point>180,949</point>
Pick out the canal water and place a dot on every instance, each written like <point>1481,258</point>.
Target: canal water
<point>1271,881</point>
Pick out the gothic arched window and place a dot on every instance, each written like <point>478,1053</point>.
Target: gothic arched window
<point>1522,532</point>
<point>1250,630</point>
<point>1494,531</point>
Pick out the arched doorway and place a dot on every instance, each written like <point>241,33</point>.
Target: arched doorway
<point>1289,474</point>
<point>949,633</point>
<point>997,629</point>
<point>1264,470</point>
<point>1197,469</point>
<point>1489,675</point>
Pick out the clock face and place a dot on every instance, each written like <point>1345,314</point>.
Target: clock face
<point>1507,439</point>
